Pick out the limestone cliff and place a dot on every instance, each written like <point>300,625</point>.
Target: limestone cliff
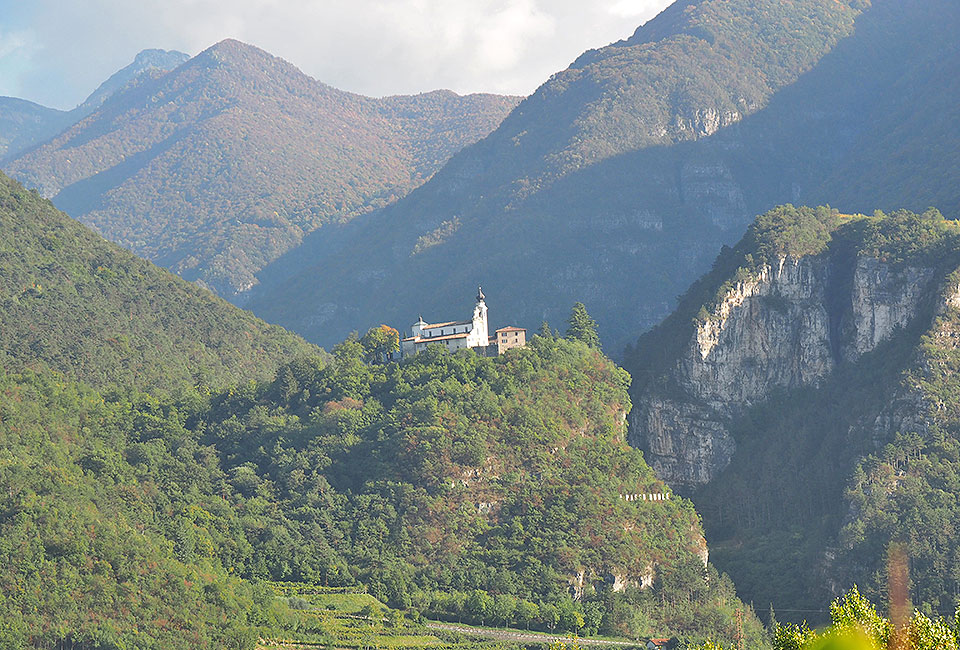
<point>785,324</point>
<point>806,393</point>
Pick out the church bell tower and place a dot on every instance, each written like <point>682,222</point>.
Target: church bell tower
<point>481,332</point>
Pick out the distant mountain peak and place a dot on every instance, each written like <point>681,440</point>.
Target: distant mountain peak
<point>273,154</point>
<point>153,57</point>
<point>145,61</point>
<point>231,48</point>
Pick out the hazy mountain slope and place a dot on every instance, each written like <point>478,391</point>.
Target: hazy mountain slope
<point>805,393</point>
<point>218,167</point>
<point>78,304</point>
<point>24,124</point>
<point>631,232</point>
<point>524,227</point>
<point>145,61</point>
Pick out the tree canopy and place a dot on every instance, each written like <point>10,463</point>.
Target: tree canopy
<point>581,327</point>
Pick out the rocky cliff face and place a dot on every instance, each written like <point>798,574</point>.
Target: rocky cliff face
<point>785,327</point>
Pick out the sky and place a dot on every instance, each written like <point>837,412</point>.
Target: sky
<point>56,52</point>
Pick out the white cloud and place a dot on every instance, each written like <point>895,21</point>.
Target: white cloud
<point>375,47</point>
<point>632,8</point>
<point>16,51</point>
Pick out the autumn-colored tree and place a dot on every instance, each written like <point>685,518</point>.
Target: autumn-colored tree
<point>379,343</point>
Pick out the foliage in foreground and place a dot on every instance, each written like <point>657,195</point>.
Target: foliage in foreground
<point>856,625</point>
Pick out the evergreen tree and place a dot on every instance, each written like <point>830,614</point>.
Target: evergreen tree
<point>582,327</point>
<point>545,330</point>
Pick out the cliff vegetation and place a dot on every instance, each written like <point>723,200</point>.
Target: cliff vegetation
<point>841,328</point>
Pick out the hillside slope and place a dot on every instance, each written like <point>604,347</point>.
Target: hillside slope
<point>805,393</point>
<point>146,61</point>
<point>93,552</point>
<point>620,179</point>
<point>472,488</point>
<point>23,124</point>
<point>75,303</point>
<point>218,167</point>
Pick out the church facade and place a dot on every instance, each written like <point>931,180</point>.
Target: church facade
<point>458,335</point>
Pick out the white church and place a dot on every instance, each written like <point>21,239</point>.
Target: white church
<point>457,335</point>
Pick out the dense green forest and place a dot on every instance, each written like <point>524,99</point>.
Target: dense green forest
<point>462,487</point>
<point>70,301</point>
<point>216,168</point>
<point>826,476</point>
<point>105,534</point>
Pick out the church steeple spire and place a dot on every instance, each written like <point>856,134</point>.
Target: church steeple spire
<point>480,296</point>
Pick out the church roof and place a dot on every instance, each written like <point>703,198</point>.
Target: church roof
<point>432,339</point>
<point>448,324</point>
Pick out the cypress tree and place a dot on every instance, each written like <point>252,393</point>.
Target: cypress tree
<point>582,327</point>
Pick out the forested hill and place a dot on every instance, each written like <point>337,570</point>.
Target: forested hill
<point>643,206</point>
<point>476,489</point>
<point>523,203</point>
<point>806,393</point>
<point>73,302</point>
<point>216,168</point>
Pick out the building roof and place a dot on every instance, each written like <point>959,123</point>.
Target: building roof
<point>433,339</point>
<point>511,329</point>
<point>447,324</point>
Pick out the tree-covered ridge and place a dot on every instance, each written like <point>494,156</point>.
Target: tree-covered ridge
<point>24,124</point>
<point>489,459</point>
<point>475,488</point>
<point>216,168</point>
<point>75,303</point>
<point>459,486</point>
<point>745,51</point>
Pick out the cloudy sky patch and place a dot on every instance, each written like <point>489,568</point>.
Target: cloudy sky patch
<point>55,52</point>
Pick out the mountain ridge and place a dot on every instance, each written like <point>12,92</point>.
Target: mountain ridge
<point>216,168</point>
<point>47,122</point>
<point>588,220</point>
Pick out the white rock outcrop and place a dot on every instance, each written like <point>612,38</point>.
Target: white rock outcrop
<point>785,327</point>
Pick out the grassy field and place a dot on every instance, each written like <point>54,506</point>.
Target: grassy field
<point>343,619</point>
<point>339,619</point>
